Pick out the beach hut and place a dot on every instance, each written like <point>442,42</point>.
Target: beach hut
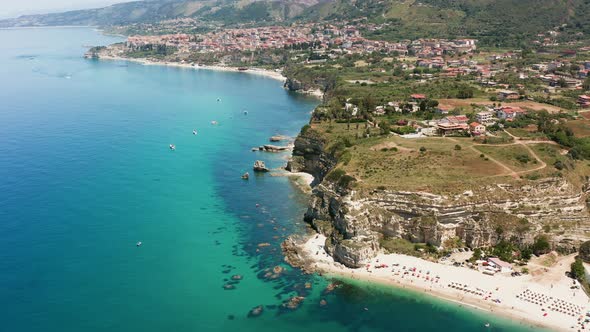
<point>499,264</point>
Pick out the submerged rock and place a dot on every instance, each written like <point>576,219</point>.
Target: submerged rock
<point>229,287</point>
<point>278,138</point>
<point>256,311</point>
<point>294,302</point>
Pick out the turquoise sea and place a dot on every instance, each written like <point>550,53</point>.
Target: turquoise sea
<point>86,172</point>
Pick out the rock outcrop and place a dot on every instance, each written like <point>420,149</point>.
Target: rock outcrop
<point>259,166</point>
<point>357,224</point>
<point>309,156</point>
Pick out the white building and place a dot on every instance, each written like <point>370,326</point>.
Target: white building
<point>484,117</point>
<point>499,264</point>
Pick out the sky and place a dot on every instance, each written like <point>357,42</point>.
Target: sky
<point>13,8</point>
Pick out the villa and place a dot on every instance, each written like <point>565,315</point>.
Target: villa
<point>507,94</point>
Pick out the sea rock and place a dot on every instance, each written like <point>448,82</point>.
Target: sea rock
<point>278,138</point>
<point>323,303</point>
<point>331,287</point>
<point>236,277</point>
<point>274,148</point>
<point>256,311</point>
<point>229,287</point>
<point>293,303</point>
<point>259,166</point>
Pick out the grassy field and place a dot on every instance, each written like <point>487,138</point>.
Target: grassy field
<point>466,103</point>
<point>528,133</point>
<point>440,165</point>
<point>581,128</point>
<point>516,157</point>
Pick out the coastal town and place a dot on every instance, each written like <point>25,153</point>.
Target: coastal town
<point>456,121</point>
<point>451,165</point>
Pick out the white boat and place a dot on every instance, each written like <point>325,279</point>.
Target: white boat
<point>214,122</point>
<point>172,147</point>
<point>245,112</point>
<point>194,132</point>
<point>218,99</point>
<point>138,244</point>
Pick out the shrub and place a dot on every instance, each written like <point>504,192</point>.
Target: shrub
<point>304,129</point>
<point>346,180</point>
<point>335,174</point>
<point>457,147</point>
<point>345,158</point>
<point>422,149</point>
<point>541,245</point>
<point>523,158</point>
<point>584,251</point>
<point>577,270</point>
<point>559,165</point>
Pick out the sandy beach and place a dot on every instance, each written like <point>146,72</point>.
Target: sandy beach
<point>277,75</point>
<point>544,299</point>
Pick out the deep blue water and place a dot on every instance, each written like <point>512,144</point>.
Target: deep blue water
<point>86,172</point>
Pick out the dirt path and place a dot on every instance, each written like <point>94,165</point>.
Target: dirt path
<point>508,169</point>
<point>525,145</point>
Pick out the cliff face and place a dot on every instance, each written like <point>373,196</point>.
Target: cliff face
<point>309,156</point>
<point>356,224</point>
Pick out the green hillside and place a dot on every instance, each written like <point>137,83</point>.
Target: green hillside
<point>150,11</point>
<point>493,22</point>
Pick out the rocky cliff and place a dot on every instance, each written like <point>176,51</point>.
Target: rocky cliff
<point>357,223</point>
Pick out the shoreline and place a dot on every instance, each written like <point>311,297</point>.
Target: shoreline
<point>254,71</point>
<point>437,280</point>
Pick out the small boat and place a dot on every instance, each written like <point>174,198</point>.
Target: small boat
<point>172,147</point>
<point>245,112</point>
<point>194,132</point>
<point>218,99</point>
<point>214,122</point>
<point>487,324</point>
<point>246,176</point>
<point>138,244</point>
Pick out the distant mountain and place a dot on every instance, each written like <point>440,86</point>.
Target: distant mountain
<point>156,10</point>
<point>493,22</point>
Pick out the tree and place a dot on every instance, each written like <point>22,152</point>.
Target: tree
<point>586,84</point>
<point>465,93</point>
<point>577,270</point>
<point>526,254</point>
<point>541,245</point>
<point>477,255</point>
<point>504,250</point>
<point>584,251</point>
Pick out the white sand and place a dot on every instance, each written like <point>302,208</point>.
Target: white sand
<point>305,177</point>
<point>255,71</point>
<point>499,287</point>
